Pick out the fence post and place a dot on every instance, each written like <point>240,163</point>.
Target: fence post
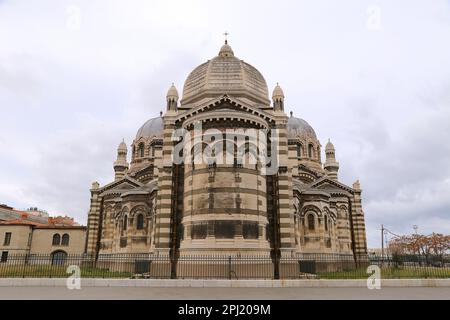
<point>23,267</point>
<point>103,269</point>
<point>229,267</point>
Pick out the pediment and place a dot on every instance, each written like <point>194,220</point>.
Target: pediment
<point>299,185</point>
<point>330,186</point>
<point>226,107</point>
<point>126,183</point>
<point>325,186</point>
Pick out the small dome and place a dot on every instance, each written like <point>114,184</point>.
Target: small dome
<point>173,92</point>
<point>329,147</point>
<point>277,92</point>
<point>226,51</point>
<point>299,127</point>
<point>153,127</point>
<point>122,146</point>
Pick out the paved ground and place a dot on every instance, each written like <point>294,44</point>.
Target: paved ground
<point>221,293</point>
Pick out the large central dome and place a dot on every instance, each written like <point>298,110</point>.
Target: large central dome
<point>226,74</point>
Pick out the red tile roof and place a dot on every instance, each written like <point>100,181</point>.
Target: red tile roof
<point>32,224</point>
<point>21,222</point>
<point>25,218</point>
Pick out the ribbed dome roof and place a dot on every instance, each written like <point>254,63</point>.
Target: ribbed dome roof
<point>122,146</point>
<point>153,127</point>
<point>277,92</point>
<point>172,92</point>
<point>299,127</point>
<point>225,74</point>
<point>329,146</point>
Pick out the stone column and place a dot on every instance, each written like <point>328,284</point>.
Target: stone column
<point>359,228</point>
<point>285,192</point>
<point>165,190</point>
<point>94,221</point>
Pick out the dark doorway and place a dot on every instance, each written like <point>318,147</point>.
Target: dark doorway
<point>59,258</point>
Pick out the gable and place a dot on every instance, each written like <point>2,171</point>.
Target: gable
<point>227,108</point>
<point>126,183</point>
<point>331,186</point>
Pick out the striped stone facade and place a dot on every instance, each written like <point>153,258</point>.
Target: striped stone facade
<point>285,203</point>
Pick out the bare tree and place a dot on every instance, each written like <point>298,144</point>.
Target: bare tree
<point>421,245</point>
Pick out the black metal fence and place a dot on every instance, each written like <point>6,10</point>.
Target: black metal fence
<point>299,266</point>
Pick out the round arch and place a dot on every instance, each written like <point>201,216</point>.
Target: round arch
<point>59,258</point>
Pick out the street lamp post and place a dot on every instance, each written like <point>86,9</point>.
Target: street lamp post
<point>416,227</point>
<point>382,244</point>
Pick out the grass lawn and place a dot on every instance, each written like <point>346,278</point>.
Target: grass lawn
<point>391,273</point>
<point>49,271</point>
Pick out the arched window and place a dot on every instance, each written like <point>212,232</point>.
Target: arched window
<point>247,145</point>
<point>325,219</point>
<point>192,154</point>
<point>65,239</point>
<point>310,151</point>
<point>141,150</point>
<point>56,239</point>
<point>343,213</point>
<point>299,150</point>
<point>59,258</point>
<point>125,223</point>
<point>235,152</point>
<point>211,200</point>
<point>311,221</point>
<point>140,221</point>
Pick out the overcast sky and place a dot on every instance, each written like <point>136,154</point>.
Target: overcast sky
<point>374,76</point>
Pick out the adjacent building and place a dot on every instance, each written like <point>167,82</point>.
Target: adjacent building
<point>28,234</point>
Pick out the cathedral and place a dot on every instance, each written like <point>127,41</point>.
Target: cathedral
<point>224,170</point>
